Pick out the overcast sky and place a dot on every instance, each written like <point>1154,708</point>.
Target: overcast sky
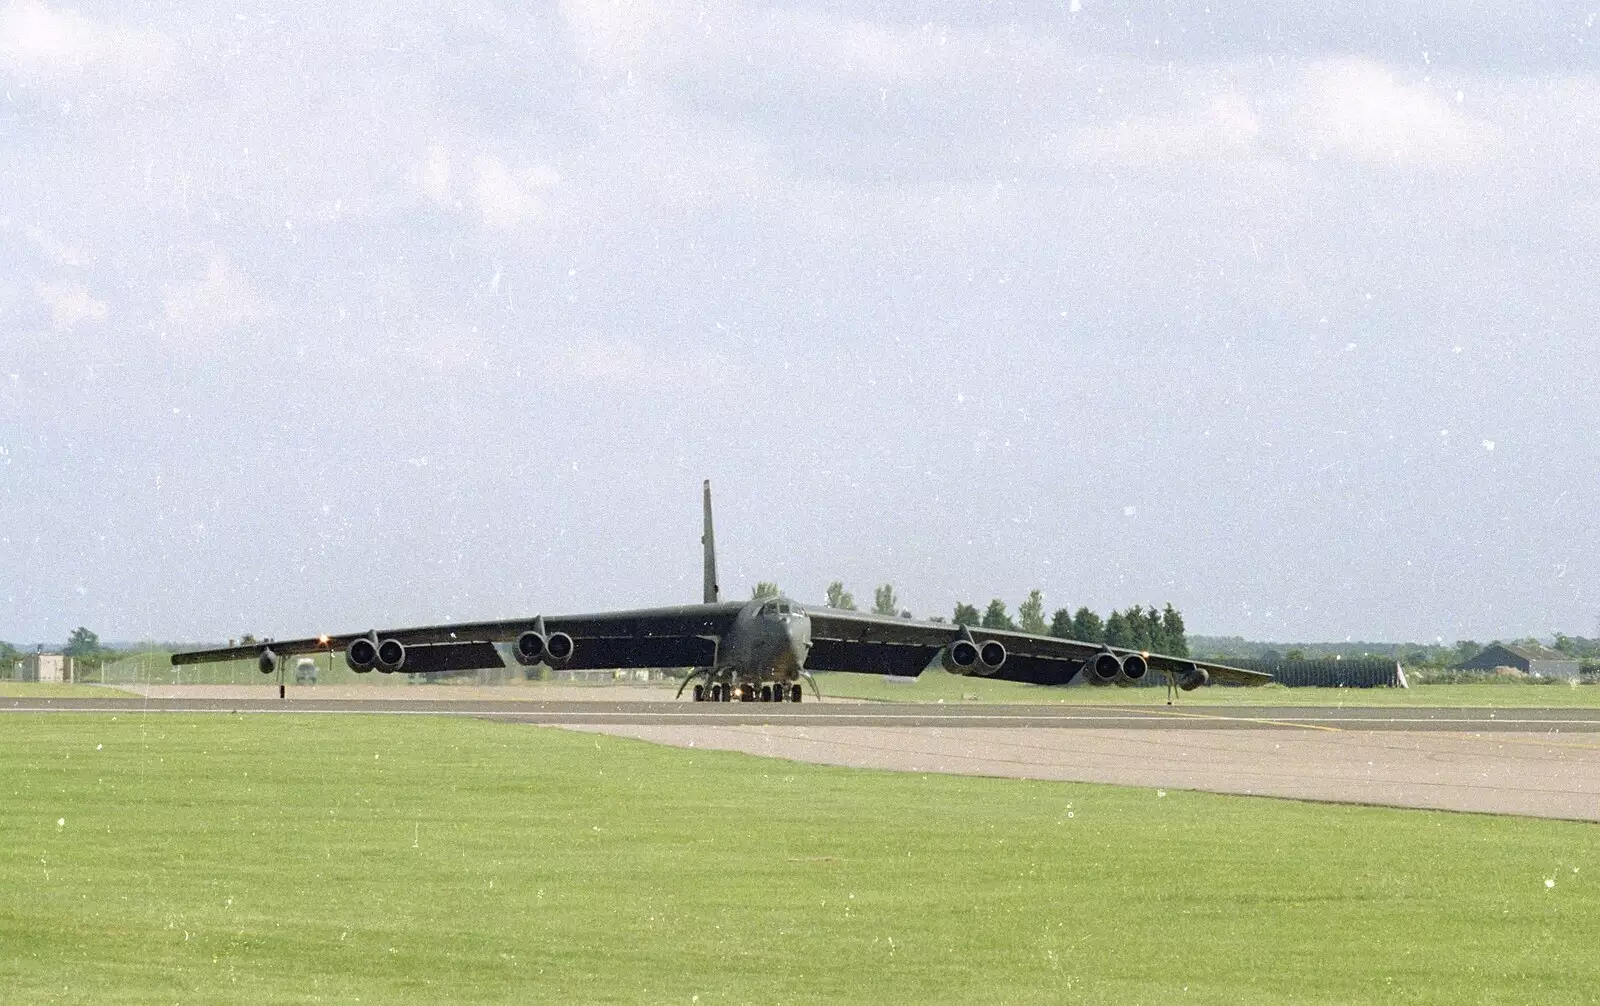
<point>321,318</point>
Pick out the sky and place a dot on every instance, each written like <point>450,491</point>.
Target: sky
<point>328,317</point>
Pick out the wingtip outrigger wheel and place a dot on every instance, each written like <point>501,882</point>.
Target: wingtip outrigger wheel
<point>814,689</point>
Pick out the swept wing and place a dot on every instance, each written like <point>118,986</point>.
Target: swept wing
<point>854,641</point>
<point>650,637</point>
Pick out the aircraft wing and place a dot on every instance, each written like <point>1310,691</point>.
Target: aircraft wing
<point>651,637</point>
<point>877,644</point>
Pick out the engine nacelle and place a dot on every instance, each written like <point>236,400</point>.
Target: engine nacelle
<point>960,657</point>
<point>990,656</point>
<point>559,648</point>
<point>391,656</point>
<point>1134,668</point>
<point>1102,669</point>
<point>268,661</point>
<point>1195,677</point>
<point>529,649</point>
<point>362,654</point>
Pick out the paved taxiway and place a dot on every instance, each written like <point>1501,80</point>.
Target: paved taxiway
<point>867,714</point>
<point>1540,762</point>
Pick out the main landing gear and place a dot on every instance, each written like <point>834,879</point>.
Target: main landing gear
<point>773,691</point>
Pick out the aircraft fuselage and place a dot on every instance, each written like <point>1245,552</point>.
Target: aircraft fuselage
<point>766,645</point>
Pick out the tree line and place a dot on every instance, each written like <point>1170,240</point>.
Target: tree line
<point>1136,628</point>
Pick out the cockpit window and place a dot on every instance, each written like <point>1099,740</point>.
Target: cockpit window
<point>774,608</point>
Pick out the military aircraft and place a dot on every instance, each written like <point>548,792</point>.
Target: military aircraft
<point>747,650</point>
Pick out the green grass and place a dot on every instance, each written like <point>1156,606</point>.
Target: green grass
<point>937,686</point>
<point>280,859</point>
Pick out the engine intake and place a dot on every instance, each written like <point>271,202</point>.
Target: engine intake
<point>1194,678</point>
<point>1134,668</point>
<point>990,656</point>
<point>1102,669</point>
<point>559,648</point>
<point>391,656</point>
<point>960,657</point>
<point>530,648</point>
<point>361,654</point>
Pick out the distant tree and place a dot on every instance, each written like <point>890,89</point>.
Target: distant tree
<point>1155,634</point>
<point>1295,653</point>
<point>765,589</point>
<point>1137,628</point>
<point>905,613</point>
<point>1272,656</point>
<point>1061,624</point>
<point>1030,614</point>
<point>884,602</point>
<point>10,656</point>
<point>1566,644</point>
<point>1087,627</point>
<point>995,616</point>
<point>82,643</point>
<point>840,598</point>
<point>936,618</point>
<point>1117,633</point>
<point>1177,640</point>
<point>965,614</point>
<point>1466,649</point>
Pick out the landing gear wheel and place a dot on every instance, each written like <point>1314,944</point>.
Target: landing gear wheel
<point>747,693</point>
<point>716,692</point>
<point>766,693</point>
<point>795,693</point>
<point>727,693</point>
<point>778,691</point>
<point>699,693</point>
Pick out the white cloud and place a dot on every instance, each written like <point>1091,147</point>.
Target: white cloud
<point>1225,126</point>
<point>616,363</point>
<point>221,300</point>
<point>69,304</point>
<point>434,176</point>
<point>1356,108</point>
<point>38,44</point>
<point>506,200</point>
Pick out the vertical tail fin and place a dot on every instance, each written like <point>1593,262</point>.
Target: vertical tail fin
<point>709,541</point>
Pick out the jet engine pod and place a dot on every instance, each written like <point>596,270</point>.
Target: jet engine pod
<point>1134,668</point>
<point>559,647</point>
<point>1102,669</point>
<point>960,657</point>
<point>990,656</point>
<point>1194,678</point>
<point>391,656</point>
<point>530,648</point>
<point>268,661</point>
<point>361,654</point>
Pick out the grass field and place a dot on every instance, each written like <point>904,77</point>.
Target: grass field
<point>160,858</point>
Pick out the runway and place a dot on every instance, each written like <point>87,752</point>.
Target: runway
<point>1537,762</point>
<point>863,714</point>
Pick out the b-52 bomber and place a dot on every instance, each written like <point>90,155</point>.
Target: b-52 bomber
<point>746,650</point>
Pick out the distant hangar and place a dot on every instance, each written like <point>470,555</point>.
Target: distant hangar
<point>1531,659</point>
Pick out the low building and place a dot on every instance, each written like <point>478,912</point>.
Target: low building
<point>46,667</point>
<point>1530,658</point>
